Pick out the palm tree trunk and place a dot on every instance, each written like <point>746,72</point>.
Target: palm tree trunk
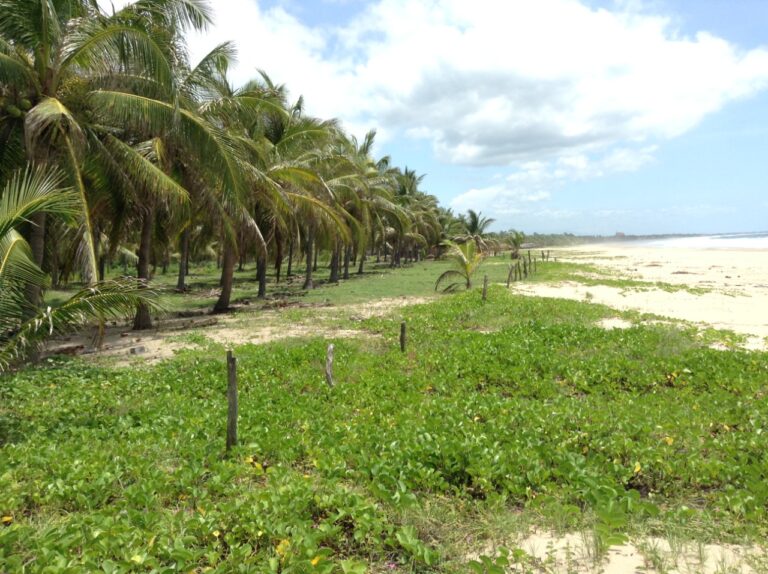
<point>278,256</point>
<point>347,256</point>
<point>37,244</point>
<point>183,260</point>
<point>228,261</point>
<point>143,318</point>
<point>310,250</point>
<point>334,278</point>
<point>54,263</point>
<point>261,274</point>
<point>362,261</point>
<point>289,271</point>
<point>317,253</point>
<point>243,252</point>
<point>102,266</point>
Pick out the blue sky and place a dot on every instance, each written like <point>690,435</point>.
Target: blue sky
<point>591,116</point>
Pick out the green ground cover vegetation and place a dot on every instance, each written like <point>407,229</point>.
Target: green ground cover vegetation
<point>501,415</point>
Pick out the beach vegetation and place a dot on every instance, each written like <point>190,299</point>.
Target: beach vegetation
<point>502,416</point>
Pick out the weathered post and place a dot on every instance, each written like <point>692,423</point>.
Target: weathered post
<point>485,287</point>
<point>535,265</point>
<point>529,258</point>
<point>547,254</point>
<point>525,268</point>
<point>402,337</point>
<point>329,366</point>
<point>231,400</point>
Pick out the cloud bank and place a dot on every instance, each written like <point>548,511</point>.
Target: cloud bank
<point>493,83</point>
<point>550,90</point>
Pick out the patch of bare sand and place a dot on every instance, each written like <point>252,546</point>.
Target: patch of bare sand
<point>576,553</point>
<point>614,323</point>
<point>123,347</point>
<point>736,284</point>
<point>381,307</point>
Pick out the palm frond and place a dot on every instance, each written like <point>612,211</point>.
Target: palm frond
<point>108,300</point>
<point>451,273</point>
<point>146,175</point>
<point>48,122</point>
<point>34,190</point>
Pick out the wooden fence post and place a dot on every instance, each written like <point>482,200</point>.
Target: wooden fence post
<point>329,366</point>
<point>231,400</point>
<point>485,287</point>
<point>402,337</point>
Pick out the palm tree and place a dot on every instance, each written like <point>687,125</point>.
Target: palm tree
<point>475,229</point>
<point>51,54</point>
<point>466,259</point>
<point>24,327</point>
<point>516,240</point>
<point>207,137</point>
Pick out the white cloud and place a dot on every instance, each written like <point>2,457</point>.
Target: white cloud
<point>494,83</point>
<point>551,90</point>
<point>534,181</point>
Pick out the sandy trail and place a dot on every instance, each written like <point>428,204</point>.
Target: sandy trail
<point>734,285</point>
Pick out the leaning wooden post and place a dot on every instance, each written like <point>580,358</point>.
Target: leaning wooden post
<point>525,268</point>
<point>402,337</point>
<point>485,287</point>
<point>231,400</point>
<point>535,265</point>
<point>329,366</point>
<point>529,258</point>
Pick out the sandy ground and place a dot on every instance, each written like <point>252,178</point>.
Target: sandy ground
<point>575,553</point>
<point>736,284</point>
<point>121,346</point>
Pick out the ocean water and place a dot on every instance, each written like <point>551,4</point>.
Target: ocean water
<point>723,241</point>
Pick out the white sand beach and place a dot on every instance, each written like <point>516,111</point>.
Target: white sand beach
<point>725,288</point>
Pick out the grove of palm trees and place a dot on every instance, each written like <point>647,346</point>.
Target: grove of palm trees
<point>119,156</point>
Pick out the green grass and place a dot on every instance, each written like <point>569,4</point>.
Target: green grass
<point>500,415</point>
<point>379,281</point>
